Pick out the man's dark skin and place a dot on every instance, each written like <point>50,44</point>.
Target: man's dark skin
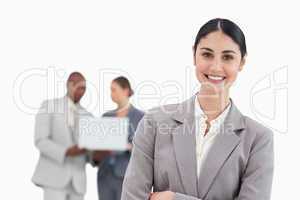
<point>76,86</point>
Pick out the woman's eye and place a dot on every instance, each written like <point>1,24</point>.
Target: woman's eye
<point>207,55</point>
<point>227,57</point>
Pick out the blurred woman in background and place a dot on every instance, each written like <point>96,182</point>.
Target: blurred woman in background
<point>112,165</point>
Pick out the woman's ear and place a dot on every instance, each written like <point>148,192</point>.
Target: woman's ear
<point>127,92</point>
<point>243,62</point>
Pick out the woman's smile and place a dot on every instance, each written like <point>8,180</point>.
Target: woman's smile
<point>215,79</point>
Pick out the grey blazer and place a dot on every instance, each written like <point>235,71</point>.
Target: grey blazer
<point>239,164</point>
<point>118,162</point>
<point>52,138</point>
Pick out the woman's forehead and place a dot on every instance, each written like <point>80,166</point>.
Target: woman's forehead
<point>219,42</point>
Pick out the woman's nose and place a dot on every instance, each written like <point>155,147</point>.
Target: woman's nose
<point>216,65</point>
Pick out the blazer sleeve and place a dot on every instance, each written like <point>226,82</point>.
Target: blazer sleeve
<point>258,176</point>
<point>138,179</point>
<point>42,139</point>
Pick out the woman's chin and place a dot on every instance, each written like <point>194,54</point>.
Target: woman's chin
<point>208,88</point>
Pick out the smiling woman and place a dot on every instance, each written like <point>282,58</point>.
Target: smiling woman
<point>210,150</point>
<point>219,54</point>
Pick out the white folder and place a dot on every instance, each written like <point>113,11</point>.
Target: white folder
<point>105,133</point>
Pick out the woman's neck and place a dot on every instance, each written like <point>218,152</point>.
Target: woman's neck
<point>122,110</point>
<point>123,105</point>
<point>213,104</point>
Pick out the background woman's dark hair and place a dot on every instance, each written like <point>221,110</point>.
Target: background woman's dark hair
<point>124,83</point>
<point>227,27</point>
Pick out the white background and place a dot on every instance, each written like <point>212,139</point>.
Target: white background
<point>41,42</point>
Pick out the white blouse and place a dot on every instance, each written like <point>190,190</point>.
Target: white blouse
<point>204,142</point>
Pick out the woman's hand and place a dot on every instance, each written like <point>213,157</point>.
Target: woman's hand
<point>129,147</point>
<point>166,195</point>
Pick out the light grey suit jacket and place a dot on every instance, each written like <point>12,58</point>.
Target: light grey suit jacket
<point>53,137</point>
<point>239,164</point>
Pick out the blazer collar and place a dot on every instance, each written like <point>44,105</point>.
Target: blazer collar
<point>185,112</point>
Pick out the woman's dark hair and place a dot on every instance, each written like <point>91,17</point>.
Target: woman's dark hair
<point>123,82</point>
<point>227,27</point>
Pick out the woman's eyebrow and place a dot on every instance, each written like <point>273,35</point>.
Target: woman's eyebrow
<point>207,49</point>
<point>225,51</point>
<point>229,51</point>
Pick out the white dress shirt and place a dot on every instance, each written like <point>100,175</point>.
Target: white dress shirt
<point>204,142</point>
<point>72,110</point>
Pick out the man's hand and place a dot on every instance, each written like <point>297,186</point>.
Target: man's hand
<point>166,195</point>
<point>99,155</point>
<point>75,151</point>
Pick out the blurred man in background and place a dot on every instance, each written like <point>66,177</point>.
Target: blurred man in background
<point>61,167</point>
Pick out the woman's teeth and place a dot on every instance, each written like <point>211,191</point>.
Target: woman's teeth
<point>217,78</point>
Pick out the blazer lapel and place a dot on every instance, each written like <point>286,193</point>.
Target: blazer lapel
<point>225,142</point>
<point>184,143</point>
